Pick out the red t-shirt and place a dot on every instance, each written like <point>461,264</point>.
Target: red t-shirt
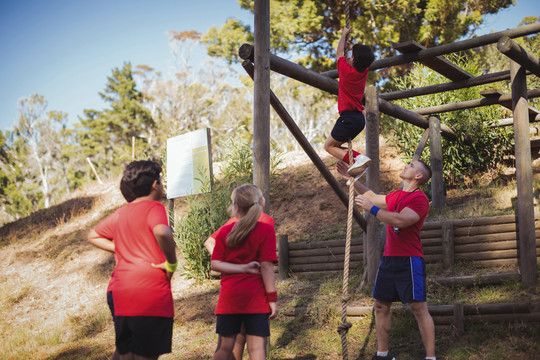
<point>244,293</point>
<point>352,85</point>
<point>407,241</point>
<point>138,288</point>
<point>262,218</point>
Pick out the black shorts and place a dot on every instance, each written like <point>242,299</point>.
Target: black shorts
<point>148,336</point>
<point>400,278</point>
<point>348,125</point>
<point>255,324</point>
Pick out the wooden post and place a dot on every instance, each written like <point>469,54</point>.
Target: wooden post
<point>283,256</point>
<point>459,318</point>
<point>525,205</point>
<point>261,109</point>
<point>435,148</point>
<point>373,181</point>
<point>447,245</point>
<point>171,214</point>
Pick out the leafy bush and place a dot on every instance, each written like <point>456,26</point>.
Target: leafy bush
<point>208,211</point>
<point>461,162</point>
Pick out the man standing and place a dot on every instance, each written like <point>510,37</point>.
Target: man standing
<point>402,273</point>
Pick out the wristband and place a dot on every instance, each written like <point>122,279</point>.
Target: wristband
<point>171,267</point>
<point>374,210</point>
<point>271,296</point>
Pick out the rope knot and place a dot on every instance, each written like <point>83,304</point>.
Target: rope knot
<point>344,328</point>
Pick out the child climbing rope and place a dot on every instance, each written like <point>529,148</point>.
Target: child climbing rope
<point>353,72</point>
<point>245,254</point>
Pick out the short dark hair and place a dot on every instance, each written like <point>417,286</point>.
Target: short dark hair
<point>363,56</point>
<point>426,172</point>
<point>138,178</point>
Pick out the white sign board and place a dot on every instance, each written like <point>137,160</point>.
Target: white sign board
<point>188,163</point>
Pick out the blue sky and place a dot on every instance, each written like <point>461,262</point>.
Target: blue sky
<point>65,49</point>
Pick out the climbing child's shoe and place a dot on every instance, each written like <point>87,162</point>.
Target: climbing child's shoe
<point>361,162</point>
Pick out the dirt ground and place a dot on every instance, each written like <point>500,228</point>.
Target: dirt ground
<point>302,203</point>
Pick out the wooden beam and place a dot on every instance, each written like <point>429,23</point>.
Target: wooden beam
<point>300,73</point>
<point>495,93</point>
<point>455,85</point>
<point>412,117</point>
<point>437,63</point>
<point>421,145</point>
<point>449,48</point>
<point>293,70</point>
<point>469,104</point>
<point>515,52</point>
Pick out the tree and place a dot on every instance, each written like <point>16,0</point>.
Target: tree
<point>197,96</point>
<point>32,128</point>
<point>311,28</point>
<point>461,162</point>
<point>106,135</point>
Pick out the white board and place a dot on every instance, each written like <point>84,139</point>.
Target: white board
<point>188,163</point>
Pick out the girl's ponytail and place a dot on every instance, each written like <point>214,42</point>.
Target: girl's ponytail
<point>246,201</point>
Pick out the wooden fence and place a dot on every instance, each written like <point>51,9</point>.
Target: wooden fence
<point>456,315</point>
<point>489,241</point>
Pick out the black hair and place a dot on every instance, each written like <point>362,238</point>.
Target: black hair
<point>363,57</point>
<point>426,172</point>
<point>138,178</point>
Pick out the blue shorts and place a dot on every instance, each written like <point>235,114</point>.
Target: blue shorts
<point>148,336</point>
<point>348,126</point>
<point>400,278</point>
<point>255,324</point>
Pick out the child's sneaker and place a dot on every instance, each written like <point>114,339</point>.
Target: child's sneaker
<point>387,357</point>
<point>361,162</point>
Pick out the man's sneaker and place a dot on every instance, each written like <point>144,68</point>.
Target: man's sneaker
<point>387,357</point>
<point>361,162</point>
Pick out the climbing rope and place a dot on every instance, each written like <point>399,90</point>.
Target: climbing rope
<point>344,327</point>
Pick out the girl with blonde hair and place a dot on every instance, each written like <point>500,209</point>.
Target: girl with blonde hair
<point>245,254</point>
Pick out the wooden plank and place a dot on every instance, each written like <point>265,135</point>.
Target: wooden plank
<point>533,317</point>
<point>486,279</point>
<point>431,242</point>
<point>433,250</point>
<point>357,249</point>
<point>323,259</point>
<point>323,244</point>
<point>488,255</point>
<point>437,63</point>
<point>485,229</point>
<point>490,238</point>
<point>324,267</point>
<point>491,246</point>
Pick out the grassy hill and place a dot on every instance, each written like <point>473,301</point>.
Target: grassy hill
<point>53,282</point>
